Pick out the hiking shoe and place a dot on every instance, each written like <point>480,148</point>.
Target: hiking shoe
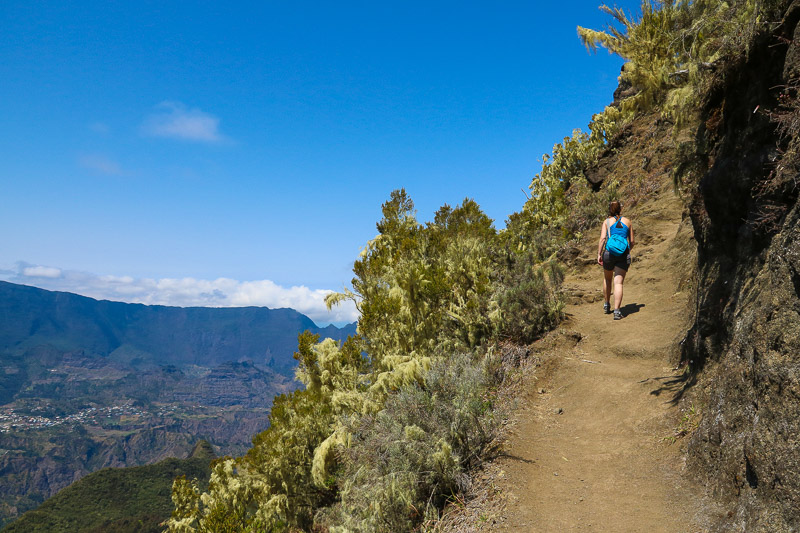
<point>607,308</point>
<point>617,314</point>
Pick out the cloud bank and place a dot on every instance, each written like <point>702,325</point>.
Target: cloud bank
<point>41,272</point>
<point>174,120</point>
<point>184,292</point>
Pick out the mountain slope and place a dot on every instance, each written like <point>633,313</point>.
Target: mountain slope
<point>744,345</point>
<point>116,500</point>
<point>142,336</point>
<point>735,161</point>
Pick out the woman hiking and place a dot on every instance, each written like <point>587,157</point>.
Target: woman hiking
<point>614,254</point>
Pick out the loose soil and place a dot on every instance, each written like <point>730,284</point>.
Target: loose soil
<point>597,445</point>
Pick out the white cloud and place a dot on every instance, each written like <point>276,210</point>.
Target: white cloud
<point>100,164</point>
<point>174,120</point>
<point>41,272</point>
<point>185,292</point>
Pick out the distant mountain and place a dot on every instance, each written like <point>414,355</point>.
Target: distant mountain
<point>88,384</point>
<point>145,336</point>
<point>117,500</point>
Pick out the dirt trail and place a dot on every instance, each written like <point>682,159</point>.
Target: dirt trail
<point>590,452</point>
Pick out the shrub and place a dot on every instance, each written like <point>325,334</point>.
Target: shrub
<point>378,440</point>
<point>675,44</point>
<point>406,461</point>
<point>529,299</point>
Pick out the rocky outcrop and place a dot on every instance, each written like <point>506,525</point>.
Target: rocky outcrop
<point>744,346</point>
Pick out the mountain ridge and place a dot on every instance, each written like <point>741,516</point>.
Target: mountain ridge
<point>30,316</point>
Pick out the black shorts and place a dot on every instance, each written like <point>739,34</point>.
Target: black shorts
<point>619,261</point>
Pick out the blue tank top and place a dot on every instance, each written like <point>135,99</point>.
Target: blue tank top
<point>617,232</point>
<point>623,231</point>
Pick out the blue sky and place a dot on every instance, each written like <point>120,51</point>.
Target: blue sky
<point>209,153</point>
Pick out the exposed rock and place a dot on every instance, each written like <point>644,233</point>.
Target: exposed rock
<point>744,346</point>
<point>623,90</point>
<point>604,167</point>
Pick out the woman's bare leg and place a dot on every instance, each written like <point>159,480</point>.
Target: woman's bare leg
<point>607,281</point>
<point>619,279</point>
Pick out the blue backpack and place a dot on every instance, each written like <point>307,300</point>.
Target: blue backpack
<point>617,243</point>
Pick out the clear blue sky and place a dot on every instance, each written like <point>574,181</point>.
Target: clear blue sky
<point>152,141</point>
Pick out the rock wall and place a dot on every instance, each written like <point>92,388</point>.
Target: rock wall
<point>744,346</point>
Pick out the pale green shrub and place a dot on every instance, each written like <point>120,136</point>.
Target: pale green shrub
<point>406,461</point>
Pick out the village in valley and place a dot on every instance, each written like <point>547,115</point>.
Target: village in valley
<point>11,420</point>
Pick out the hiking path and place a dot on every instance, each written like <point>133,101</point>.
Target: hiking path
<point>595,446</point>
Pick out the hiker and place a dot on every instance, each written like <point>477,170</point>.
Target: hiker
<point>614,254</point>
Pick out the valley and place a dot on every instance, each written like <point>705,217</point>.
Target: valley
<point>87,384</point>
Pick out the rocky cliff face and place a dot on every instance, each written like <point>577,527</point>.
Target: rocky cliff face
<point>744,346</point>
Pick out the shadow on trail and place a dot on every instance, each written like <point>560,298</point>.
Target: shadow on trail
<point>516,458</point>
<point>676,385</point>
<point>629,309</point>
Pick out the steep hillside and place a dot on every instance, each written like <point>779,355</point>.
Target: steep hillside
<point>701,145</point>
<point>600,434</point>
<point>600,443</point>
<point>116,500</point>
<point>744,346</point>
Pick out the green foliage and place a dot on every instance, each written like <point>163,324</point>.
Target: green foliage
<point>464,243</point>
<point>406,461</point>
<point>128,500</point>
<point>675,44</point>
<point>418,287</point>
<point>587,206</point>
<point>272,486</point>
<point>422,291</point>
<point>529,305</point>
<point>547,219</point>
<point>671,50</point>
<point>394,285</point>
<point>675,52</point>
<point>389,423</point>
<point>652,45</point>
